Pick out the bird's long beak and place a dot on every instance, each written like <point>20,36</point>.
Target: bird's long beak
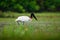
<point>32,14</point>
<point>35,17</point>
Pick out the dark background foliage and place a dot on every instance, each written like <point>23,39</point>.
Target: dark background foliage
<point>30,5</point>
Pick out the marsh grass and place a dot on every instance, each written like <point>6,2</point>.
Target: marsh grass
<point>46,28</point>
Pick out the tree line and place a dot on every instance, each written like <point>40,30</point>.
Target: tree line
<point>30,5</point>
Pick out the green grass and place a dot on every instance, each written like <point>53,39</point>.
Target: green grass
<point>46,28</point>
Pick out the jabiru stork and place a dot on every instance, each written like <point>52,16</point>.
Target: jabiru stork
<point>24,19</point>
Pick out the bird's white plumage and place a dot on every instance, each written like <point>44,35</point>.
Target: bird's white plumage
<point>23,18</point>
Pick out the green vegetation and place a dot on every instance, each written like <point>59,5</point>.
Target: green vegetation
<point>46,28</point>
<point>10,14</point>
<point>30,5</point>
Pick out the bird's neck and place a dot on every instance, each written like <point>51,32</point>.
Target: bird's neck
<point>30,17</point>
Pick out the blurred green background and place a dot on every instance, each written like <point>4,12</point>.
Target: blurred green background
<point>30,5</point>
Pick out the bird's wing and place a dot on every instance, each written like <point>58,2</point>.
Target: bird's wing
<point>23,18</point>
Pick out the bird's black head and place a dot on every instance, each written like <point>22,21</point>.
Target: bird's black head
<point>32,15</point>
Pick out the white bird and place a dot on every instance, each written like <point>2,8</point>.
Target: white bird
<point>24,19</point>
